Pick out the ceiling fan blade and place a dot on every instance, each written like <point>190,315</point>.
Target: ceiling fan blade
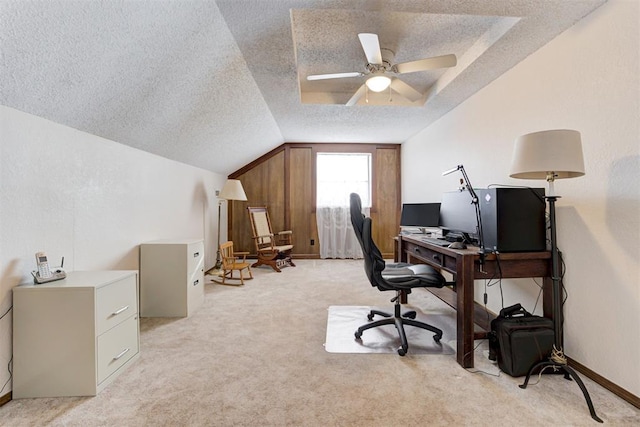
<point>444,61</point>
<point>405,90</point>
<point>334,76</point>
<point>356,96</point>
<point>371,47</point>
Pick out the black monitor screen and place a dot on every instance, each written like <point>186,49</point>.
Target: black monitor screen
<point>420,215</point>
<point>457,213</point>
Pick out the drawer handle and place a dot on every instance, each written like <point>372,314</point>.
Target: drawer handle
<point>416,250</point>
<point>122,353</point>
<point>125,308</point>
<point>196,254</point>
<point>196,282</point>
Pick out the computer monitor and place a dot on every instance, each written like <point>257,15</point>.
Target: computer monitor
<point>458,216</point>
<point>420,215</point>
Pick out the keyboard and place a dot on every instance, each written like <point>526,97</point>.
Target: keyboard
<point>434,241</point>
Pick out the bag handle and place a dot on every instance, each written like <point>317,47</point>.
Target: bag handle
<point>514,310</point>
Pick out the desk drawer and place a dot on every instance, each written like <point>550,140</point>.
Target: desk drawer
<point>421,254</point>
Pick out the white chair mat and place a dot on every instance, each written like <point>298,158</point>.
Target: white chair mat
<point>343,321</point>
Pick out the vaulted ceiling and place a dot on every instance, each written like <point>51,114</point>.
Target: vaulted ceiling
<point>216,84</point>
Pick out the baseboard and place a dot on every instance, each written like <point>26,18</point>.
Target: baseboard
<point>449,297</point>
<point>602,381</point>
<point>6,398</point>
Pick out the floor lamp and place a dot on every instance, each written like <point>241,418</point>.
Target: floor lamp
<point>551,155</point>
<point>232,190</point>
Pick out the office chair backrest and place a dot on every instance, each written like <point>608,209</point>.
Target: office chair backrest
<point>373,260</point>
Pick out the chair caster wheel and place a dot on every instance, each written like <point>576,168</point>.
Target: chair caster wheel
<point>410,315</point>
<point>402,351</point>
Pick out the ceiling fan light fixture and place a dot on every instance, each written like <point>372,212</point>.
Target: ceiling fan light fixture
<point>378,83</point>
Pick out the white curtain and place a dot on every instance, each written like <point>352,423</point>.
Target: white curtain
<point>335,233</point>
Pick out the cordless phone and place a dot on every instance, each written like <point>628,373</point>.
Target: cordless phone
<point>43,265</point>
<point>44,273</point>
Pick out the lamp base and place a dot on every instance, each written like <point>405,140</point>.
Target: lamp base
<point>218,261</point>
<point>569,374</point>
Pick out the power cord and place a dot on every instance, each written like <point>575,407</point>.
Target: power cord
<point>557,356</point>
<point>539,294</point>
<point>6,312</point>
<point>9,368</point>
<point>10,364</point>
<point>479,371</point>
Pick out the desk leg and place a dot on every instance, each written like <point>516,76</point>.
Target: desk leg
<point>400,256</point>
<point>464,292</point>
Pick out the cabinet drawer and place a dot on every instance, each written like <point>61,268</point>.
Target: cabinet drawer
<point>116,302</point>
<point>195,258</point>
<point>117,346</point>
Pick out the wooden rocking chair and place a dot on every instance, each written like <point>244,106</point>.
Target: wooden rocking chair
<point>273,250</point>
<point>232,262</point>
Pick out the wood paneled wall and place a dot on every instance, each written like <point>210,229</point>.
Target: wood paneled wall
<point>284,181</point>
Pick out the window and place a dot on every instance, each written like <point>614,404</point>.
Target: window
<point>340,174</point>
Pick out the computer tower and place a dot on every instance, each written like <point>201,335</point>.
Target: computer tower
<point>513,219</point>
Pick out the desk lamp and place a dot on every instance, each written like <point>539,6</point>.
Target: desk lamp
<point>550,155</point>
<point>232,190</point>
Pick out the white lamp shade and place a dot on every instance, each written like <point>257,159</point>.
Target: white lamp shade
<point>232,190</point>
<point>378,83</point>
<point>557,152</point>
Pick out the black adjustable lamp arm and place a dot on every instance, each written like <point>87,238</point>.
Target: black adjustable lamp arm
<point>474,196</point>
<point>474,199</point>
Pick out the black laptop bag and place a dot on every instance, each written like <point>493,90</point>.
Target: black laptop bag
<point>519,340</point>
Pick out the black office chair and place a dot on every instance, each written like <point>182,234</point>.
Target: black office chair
<point>400,277</point>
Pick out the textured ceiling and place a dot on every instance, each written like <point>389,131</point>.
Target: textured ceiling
<point>216,84</point>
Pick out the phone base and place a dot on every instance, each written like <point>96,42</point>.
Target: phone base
<point>57,275</point>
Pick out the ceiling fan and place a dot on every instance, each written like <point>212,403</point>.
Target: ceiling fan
<point>381,69</point>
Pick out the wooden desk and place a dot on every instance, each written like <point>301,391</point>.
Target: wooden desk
<point>465,266</point>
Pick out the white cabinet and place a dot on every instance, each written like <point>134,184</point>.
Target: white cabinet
<point>171,277</point>
<point>74,336</point>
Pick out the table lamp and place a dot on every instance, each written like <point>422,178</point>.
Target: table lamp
<point>550,155</point>
<point>232,190</point>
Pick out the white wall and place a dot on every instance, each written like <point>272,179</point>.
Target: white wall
<point>91,200</point>
<point>586,79</point>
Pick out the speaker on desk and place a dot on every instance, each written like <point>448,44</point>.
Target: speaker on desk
<point>513,219</point>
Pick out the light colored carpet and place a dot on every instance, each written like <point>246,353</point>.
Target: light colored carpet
<point>253,356</point>
<point>343,321</point>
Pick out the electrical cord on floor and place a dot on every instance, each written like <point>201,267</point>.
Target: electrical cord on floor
<point>540,374</point>
<point>479,371</point>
